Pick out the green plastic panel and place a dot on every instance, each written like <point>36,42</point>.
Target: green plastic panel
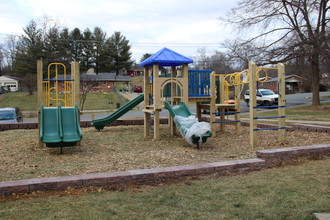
<point>101,123</point>
<point>50,131</point>
<point>71,125</point>
<point>60,127</point>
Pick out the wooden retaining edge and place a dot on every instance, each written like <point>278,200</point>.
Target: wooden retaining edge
<point>275,157</point>
<point>132,176</point>
<point>311,128</point>
<point>266,159</point>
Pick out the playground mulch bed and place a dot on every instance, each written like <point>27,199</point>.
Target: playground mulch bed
<point>124,148</point>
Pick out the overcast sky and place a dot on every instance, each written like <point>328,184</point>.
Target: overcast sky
<point>149,25</point>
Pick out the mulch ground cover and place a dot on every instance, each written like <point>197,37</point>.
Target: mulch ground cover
<point>124,148</point>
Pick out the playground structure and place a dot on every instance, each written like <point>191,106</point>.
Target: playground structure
<point>172,90</point>
<point>167,90</point>
<point>58,98</point>
<point>176,86</point>
<point>207,89</point>
<point>254,77</point>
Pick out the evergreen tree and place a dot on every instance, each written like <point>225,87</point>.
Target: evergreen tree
<point>29,48</point>
<point>76,44</point>
<point>65,45</point>
<point>55,43</point>
<point>119,53</point>
<point>99,38</point>
<point>145,56</point>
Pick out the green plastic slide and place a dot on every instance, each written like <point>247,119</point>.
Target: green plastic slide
<point>60,127</point>
<point>193,131</point>
<point>101,123</point>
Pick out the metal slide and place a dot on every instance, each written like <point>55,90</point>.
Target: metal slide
<point>101,123</point>
<point>60,127</point>
<point>183,111</point>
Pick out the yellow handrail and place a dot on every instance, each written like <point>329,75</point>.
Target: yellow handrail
<point>66,86</point>
<point>240,78</point>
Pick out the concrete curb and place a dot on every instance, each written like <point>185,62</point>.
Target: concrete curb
<point>266,159</point>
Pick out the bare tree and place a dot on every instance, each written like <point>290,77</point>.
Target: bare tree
<point>87,83</point>
<point>286,29</point>
<point>1,59</point>
<point>10,50</point>
<point>30,82</point>
<point>240,53</point>
<point>202,59</point>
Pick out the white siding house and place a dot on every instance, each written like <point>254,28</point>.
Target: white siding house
<point>9,82</point>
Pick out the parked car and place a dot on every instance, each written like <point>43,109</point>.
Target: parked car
<point>10,115</point>
<point>137,88</point>
<point>265,97</point>
<point>4,89</point>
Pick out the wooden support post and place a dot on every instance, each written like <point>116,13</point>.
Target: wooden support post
<point>156,87</point>
<point>156,125</point>
<point>173,85</point>
<point>146,124</point>
<point>222,101</point>
<point>41,95</point>
<point>281,101</point>
<point>75,73</point>
<point>198,111</point>
<point>146,85</point>
<point>238,108</point>
<point>184,81</point>
<point>252,103</point>
<point>146,90</point>
<point>212,103</point>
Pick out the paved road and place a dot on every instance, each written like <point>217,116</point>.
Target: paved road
<point>292,100</point>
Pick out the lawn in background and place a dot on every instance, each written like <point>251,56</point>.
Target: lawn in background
<point>303,113</point>
<point>26,102</point>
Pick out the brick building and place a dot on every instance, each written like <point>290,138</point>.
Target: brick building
<point>105,82</point>
<point>102,82</point>
<point>293,84</point>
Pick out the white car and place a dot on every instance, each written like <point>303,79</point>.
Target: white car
<point>265,97</point>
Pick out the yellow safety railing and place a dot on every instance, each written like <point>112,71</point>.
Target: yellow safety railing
<point>241,78</point>
<point>65,85</point>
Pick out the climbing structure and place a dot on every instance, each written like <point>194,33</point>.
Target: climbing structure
<point>58,98</point>
<point>254,77</point>
<point>160,87</point>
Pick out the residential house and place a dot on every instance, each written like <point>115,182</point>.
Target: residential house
<point>10,82</point>
<point>105,82</point>
<point>134,72</point>
<point>102,82</point>
<point>293,84</point>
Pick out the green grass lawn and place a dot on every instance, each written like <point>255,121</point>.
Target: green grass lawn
<point>292,192</point>
<point>28,102</point>
<point>304,113</point>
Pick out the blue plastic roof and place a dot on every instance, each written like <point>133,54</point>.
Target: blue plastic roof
<point>166,57</point>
